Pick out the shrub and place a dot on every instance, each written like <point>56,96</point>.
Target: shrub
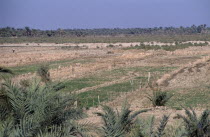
<point>25,83</point>
<point>110,52</point>
<point>43,72</point>
<point>190,44</point>
<point>158,97</point>
<point>110,46</point>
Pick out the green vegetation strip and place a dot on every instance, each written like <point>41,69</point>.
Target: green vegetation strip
<point>193,97</point>
<point>52,64</point>
<point>80,83</point>
<point>198,97</point>
<point>107,76</point>
<point>90,98</point>
<point>94,97</point>
<point>167,47</point>
<point>109,39</point>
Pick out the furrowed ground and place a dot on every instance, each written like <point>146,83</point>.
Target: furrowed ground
<point>107,73</point>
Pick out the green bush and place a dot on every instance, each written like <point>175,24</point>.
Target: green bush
<point>25,83</point>
<point>110,46</point>
<point>43,72</point>
<point>158,97</point>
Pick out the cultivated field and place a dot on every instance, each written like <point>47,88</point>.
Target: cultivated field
<point>106,73</point>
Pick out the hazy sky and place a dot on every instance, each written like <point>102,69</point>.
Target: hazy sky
<point>53,14</point>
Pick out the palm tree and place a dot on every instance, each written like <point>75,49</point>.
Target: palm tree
<point>3,98</point>
<point>196,126</point>
<point>37,109</point>
<point>28,31</point>
<point>44,73</point>
<point>117,124</point>
<point>147,129</point>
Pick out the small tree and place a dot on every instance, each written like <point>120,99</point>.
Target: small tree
<point>44,73</point>
<point>158,97</point>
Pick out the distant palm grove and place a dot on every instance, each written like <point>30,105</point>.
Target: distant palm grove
<point>28,32</point>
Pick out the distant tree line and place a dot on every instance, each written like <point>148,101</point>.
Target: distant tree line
<point>28,32</point>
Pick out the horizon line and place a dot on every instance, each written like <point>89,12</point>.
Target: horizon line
<point>106,27</point>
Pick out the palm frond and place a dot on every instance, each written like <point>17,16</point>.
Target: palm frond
<point>4,112</point>
<point>139,112</point>
<point>6,127</point>
<point>162,126</point>
<point>204,122</point>
<point>109,116</point>
<point>38,107</point>
<point>190,114</point>
<point>118,124</point>
<point>146,128</point>
<point>151,127</point>
<point>194,126</point>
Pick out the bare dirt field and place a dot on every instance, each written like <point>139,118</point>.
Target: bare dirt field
<point>94,68</point>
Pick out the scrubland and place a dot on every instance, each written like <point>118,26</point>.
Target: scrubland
<point>112,74</point>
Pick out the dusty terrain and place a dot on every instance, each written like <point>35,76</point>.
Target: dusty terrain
<point>191,68</point>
